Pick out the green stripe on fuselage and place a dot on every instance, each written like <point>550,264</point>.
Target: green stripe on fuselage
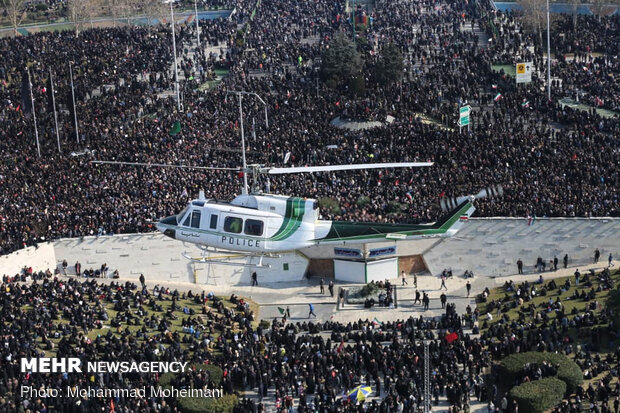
<point>292,221</point>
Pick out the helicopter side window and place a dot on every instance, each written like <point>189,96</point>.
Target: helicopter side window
<point>253,227</point>
<point>233,224</point>
<point>187,220</point>
<point>195,219</point>
<point>213,224</point>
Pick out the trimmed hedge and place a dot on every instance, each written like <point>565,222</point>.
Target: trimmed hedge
<point>224,404</point>
<point>539,395</point>
<point>215,373</point>
<point>568,371</point>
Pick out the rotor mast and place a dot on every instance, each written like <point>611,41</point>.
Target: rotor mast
<point>240,93</point>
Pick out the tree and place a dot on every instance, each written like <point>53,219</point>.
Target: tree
<point>82,10</point>
<point>15,10</point>
<point>574,6</point>
<point>155,10</point>
<point>599,7</point>
<point>340,62</point>
<point>389,66</point>
<point>534,16</point>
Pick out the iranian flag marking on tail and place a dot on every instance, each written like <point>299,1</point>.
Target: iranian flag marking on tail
<point>464,218</point>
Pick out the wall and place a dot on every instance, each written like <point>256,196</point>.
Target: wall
<point>350,271</point>
<point>380,270</point>
<point>39,258</point>
<point>412,264</point>
<point>321,268</point>
<point>492,246</point>
<point>161,258</point>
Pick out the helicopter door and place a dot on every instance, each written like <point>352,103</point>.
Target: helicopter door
<point>195,222</point>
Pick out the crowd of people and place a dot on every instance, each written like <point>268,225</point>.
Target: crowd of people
<point>552,160</point>
<point>302,366</point>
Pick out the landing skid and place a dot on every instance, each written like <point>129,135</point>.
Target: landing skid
<point>220,260</point>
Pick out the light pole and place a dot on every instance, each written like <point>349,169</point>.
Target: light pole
<point>240,93</point>
<point>427,378</point>
<point>197,27</point>
<point>174,51</point>
<point>54,105</point>
<point>34,113</point>
<point>548,55</point>
<point>77,134</point>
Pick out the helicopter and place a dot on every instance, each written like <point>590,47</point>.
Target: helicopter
<point>261,224</point>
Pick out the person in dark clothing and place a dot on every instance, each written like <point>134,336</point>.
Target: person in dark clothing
<point>254,279</point>
<point>330,287</point>
<point>425,300</point>
<point>443,299</point>
<point>520,266</point>
<point>468,286</point>
<point>565,261</point>
<point>142,281</point>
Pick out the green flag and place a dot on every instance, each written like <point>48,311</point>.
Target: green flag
<point>176,128</point>
<point>281,310</point>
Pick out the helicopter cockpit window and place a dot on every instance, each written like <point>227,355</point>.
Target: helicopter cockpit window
<point>233,224</point>
<point>181,214</point>
<point>187,220</point>
<point>253,227</point>
<point>195,219</point>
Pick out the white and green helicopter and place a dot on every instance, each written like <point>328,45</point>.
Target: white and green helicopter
<point>263,224</point>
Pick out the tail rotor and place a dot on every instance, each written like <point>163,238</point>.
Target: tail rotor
<point>494,191</point>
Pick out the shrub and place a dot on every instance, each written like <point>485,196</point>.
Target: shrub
<point>362,201</point>
<point>394,206</point>
<point>224,404</point>
<point>539,395</point>
<point>331,205</point>
<point>215,373</point>
<point>568,371</point>
<point>368,289</point>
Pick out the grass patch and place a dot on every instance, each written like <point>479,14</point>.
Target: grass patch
<point>427,120</point>
<point>606,113</point>
<point>509,70</point>
<point>175,325</point>
<point>500,294</point>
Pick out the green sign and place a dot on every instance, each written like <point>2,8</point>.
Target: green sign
<point>464,112</point>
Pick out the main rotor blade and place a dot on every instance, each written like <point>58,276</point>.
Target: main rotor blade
<point>302,169</point>
<point>163,165</point>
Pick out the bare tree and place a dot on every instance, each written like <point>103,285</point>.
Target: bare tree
<point>112,8</point>
<point>574,6</point>
<point>599,7</point>
<point>94,9</point>
<point>154,10</point>
<point>16,12</point>
<point>129,8</point>
<point>534,16</point>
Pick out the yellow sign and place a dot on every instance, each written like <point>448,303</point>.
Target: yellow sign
<point>521,68</point>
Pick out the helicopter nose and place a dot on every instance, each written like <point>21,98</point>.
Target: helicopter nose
<point>165,224</point>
